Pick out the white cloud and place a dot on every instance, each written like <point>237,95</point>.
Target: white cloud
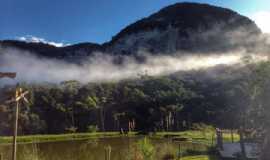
<point>261,18</point>
<point>101,67</point>
<point>34,39</point>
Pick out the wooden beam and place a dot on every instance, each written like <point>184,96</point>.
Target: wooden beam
<point>22,96</point>
<point>18,98</point>
<point>7,75</point>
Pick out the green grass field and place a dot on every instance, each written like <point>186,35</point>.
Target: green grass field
<point>59,137</point>
<point>192,135</point>
<point>200,157</point>
<point>207,137</point>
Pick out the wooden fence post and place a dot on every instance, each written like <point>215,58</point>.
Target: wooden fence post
<point>219,138</point>
<point>242,143</point>
<point>232,136</point>
<point>179,151</point>
<point>108,151</point>
<point>212,144</point>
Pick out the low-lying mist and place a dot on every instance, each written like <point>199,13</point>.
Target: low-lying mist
<point>101,67</point>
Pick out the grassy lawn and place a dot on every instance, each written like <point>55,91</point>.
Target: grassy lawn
<point>60,137</point>
<point>200,157</point>
<point>192,135</point>
<point>207,137</point>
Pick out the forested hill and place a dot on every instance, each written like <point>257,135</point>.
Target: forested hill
<point>166,103</point>
<point>154,104</point>
<point>189,27</point>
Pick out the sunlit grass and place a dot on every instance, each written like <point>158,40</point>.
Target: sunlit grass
<point>200,157</point>
<point>207,137</point>
<point>60,137</point>
<point>189,151</point>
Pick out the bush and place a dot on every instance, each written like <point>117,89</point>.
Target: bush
<point>71,129</point>
<point>202,127</point>
<point>146,148</point>
<point>92,128</point>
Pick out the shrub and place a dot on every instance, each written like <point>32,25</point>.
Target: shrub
<point>92,128</point>
<point>146,148</point>
<point>71,129</point>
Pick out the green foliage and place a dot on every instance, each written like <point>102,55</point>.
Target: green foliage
<point>92,128</point>
<point>146,148</point>
<point>202,127</point>
<point>71,129</point>
<point>154,104</point>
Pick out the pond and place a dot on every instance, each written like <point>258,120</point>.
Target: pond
<point>122,148</point>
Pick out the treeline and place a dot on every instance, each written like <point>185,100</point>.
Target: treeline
<point>149,104</point>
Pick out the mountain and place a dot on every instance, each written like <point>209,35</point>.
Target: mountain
<point>190,27</point>
<point>182,27</point>
<point>50,51</point>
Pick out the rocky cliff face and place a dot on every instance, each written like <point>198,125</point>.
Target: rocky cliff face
<point>183,27</point>
<point>187,27</point>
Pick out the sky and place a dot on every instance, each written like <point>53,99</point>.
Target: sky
<point>64,22</point>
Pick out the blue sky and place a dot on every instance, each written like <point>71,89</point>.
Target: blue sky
<point>73,21</point>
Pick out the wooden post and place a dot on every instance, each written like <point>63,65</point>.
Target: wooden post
<point>212,142</point>
<point>1,156</point>
<point>102,121</point>
<point>179,151</point>
<point>242,144</point>
<point>14,148</point>
<point>232,136</point>
<point>20,95</point>
<point>108,151</point>
<point>219,139</point>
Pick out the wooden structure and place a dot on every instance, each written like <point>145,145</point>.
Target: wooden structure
<point>7,75</point>
<point>19,96</point>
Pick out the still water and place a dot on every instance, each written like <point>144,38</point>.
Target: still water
<point>122,148</point>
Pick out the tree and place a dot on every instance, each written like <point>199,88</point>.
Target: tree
<point>253,95</point>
